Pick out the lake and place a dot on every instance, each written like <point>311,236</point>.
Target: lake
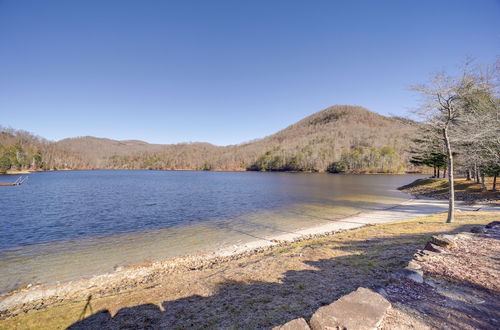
<point>60,226</point>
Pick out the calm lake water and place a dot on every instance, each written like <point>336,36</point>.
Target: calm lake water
<point>60,226</point>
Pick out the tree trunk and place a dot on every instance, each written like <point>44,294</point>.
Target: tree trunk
<point>494,188</point>
<point>483,184</point>
<point>451,188</point>
<point>434,167</point>
<point>477,175</point>
<point>468,174</point>
<point>437,173</point>
<point>444,172</point>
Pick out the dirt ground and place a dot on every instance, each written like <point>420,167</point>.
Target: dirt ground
<point>258,291</point>
<point>461,288</point>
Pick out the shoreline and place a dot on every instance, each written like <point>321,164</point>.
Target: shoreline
<point>16,172</point>
<point>40,296</point>
<point>29,171</point>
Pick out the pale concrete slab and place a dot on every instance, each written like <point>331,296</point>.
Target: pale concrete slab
<point>362,309</point>
<point>411,209</point>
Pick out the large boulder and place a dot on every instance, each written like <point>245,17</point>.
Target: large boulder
<point>362,309</point>
<point>297,324</point>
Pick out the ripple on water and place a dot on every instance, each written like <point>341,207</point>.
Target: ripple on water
<point>67,225</point>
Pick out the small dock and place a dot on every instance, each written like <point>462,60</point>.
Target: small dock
<point>18,182</point>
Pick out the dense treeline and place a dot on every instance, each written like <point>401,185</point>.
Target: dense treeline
<point>21,150</point>
<point>369,159</point>
<point>359,159</point>
<point>339,139</point>
<point>19,158</point>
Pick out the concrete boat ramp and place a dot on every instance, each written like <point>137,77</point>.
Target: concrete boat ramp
<point>410,209</point>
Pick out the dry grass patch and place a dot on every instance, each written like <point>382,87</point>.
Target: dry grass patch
<point>464,190</point>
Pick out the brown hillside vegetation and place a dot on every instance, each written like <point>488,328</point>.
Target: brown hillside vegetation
<point>340,138</point>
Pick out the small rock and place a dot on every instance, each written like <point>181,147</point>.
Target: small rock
<point>411,274</point>
<point>297,324</point>
<point>413,265</point>
<point>362,309</point>
<point>325,301</point>
<point>464,235</point>
<point>444,241</point>
<point>421,255</point>
<point>433,248</point>
<point>478,230</point>
<point>380,290</point>
<point>493,224</point>
<point>431,283</point>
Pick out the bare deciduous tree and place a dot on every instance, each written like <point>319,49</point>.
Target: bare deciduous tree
<point>464,110</point>
<point>479,129</point>
<point>442,108</point>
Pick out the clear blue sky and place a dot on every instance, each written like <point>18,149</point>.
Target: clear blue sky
<point>223,71</point>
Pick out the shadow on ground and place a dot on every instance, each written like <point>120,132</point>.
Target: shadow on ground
<point>461,306</point>
<point>258,304</point>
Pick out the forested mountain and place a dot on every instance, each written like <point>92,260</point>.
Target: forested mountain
<point>340,138</point>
